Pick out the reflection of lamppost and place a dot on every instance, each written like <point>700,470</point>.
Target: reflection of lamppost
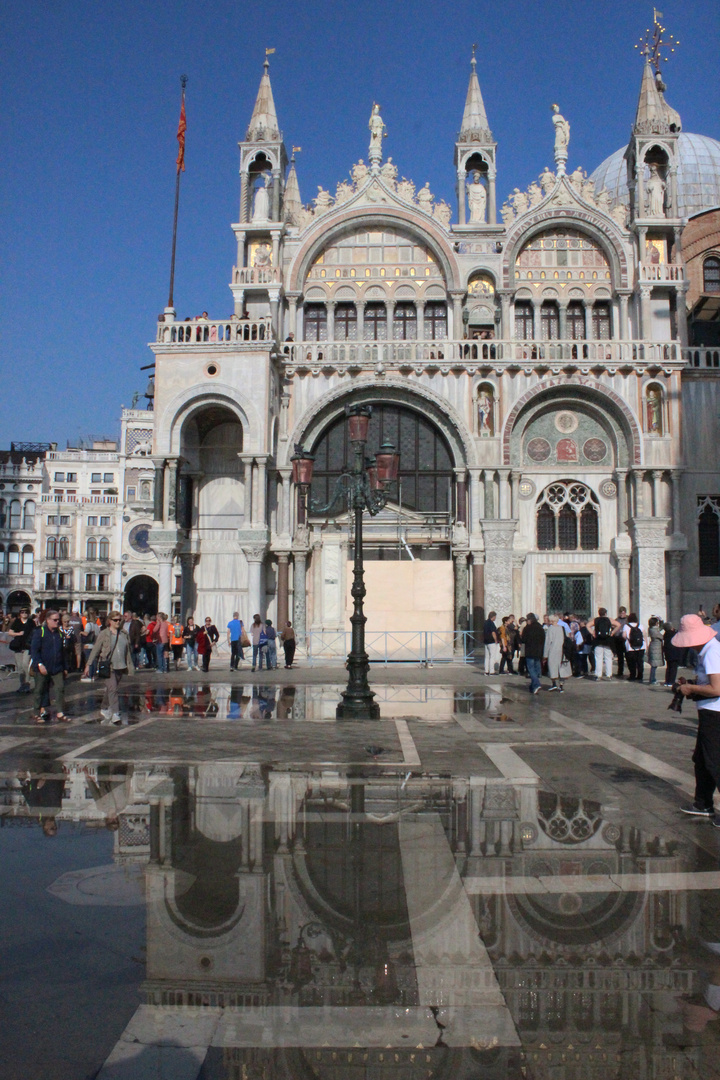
<point>364,488</point>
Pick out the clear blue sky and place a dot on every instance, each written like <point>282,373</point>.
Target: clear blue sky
<point>90,97</point>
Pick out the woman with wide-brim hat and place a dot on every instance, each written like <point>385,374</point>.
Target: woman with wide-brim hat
<point>694,634</point>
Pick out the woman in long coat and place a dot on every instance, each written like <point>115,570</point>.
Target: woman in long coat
<point>655,648</point>
<point>553,652</point>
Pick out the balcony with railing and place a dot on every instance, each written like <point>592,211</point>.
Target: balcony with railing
<point>225,332</point>
<point>257,275</point>
<point>444,354</point>
<point>669,272</point>
<point>702,358</point>
<point>104,500</point>
<point>83,455</point>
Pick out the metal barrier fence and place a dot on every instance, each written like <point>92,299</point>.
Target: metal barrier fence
<point>396,646</point>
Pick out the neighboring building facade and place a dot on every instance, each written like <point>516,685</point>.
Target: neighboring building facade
<point>533,371</point>
<point>21,484</point>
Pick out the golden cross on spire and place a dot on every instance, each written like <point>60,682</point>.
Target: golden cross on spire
<point>655,45</point>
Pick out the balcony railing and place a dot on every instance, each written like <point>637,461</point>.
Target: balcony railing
<point>256,275</point>
<point>660,272</point>
<point>106,500</point>
<point>703,358</point>
<point>444,353</point>
<point>205,332</point>
<point>83,455</point>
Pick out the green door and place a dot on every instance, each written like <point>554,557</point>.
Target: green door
<point>569,592</point>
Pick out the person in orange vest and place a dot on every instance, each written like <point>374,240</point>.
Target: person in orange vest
<point>177,640</point>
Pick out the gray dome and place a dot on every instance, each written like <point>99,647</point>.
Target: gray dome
<point>698,176</point>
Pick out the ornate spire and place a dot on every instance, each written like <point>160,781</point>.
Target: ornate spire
<point>292,204</point>
<point>475,127</point>
<point>654,116</point>
<point>264,123</point>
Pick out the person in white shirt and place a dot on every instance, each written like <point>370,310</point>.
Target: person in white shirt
<point>694,634</point>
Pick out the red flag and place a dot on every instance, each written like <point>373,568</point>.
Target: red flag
<point>181,137</point>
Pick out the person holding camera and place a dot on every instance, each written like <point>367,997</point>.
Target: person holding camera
<point>694,634</point>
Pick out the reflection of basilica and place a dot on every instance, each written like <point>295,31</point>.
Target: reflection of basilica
<point>309,924</point>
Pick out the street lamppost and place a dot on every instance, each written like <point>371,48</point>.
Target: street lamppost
<point>364,488</point>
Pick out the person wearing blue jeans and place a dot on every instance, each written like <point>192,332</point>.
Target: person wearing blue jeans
<point>271,647</point>
<point>533,638</point>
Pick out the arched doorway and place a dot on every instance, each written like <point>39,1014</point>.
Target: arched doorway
<point>16,600</point>
<point>141,595</point>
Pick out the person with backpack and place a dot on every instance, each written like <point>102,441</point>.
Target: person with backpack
<point>634,648</point>
<point>602,630</point>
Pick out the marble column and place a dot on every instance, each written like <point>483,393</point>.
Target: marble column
<point>478,595</point>
<point>622,506</point>
<point>504,493</point>
<point>330,320</point>
<point>284,524</point>
<point>518,561</point>
<point>187,591</point>
<point>676,588</point>
<point>492,197</point>
<point>498,538</point>
<point>624,323</point>
<point>562,320</point>
<point>645,312</point>
<point>656,475</point>
<point>300,595</point>
<point>461,196</point>
<point>282,590</point>
<point>275,195</point>
<point>244,200</point>
<point>460,566</point>
<point>681,304</point>
<point>507,329</point>
<point>476,509</point>
<point>623,564</point>
<point>461,496</point>
<point>165,558</point>
<point>676,477</point>
<point>537,318</point>
<point>637,482</point>
<point>648,535</point>
<point>515,495</point>
<point>489,493</point>
<point>159,490</point>
<point>360,316</point>
<point>420,317</point>
<point>292,316</point>
<point>255,556</point>
<point>456,332</point>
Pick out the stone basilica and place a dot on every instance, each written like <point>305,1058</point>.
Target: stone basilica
<point>533,362</point>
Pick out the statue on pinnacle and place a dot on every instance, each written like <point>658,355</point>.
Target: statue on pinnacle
<point>377,133</point>
<point>562,138</point>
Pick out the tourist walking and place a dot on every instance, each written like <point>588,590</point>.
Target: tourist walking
<point>207,636</point>
<point>655,649</point>
<point>634,648</point>
<point>553,652</point>
<point>694,634</point>
<point>67,633</point>
<point>21,631</point>
<point>271,654</point>
<point>533,640</point>
<point>602,631</point>
<point>50,666</point>
<point>234,635</point>
<point>287,637</point>
<point>134,631</point>
<point>177,640</point>
<point>112,648</point>
<point>148,642</point>
<point>507,644</point>
<point>492,644</point>
<point>256,630</point>
<point>190,638</point>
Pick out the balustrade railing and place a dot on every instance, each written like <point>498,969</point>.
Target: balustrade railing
<point>82,455</point>
<point>703,357</point>
<point>447,353</point>
<point>108,500</point>
<point>660,272</point>
<point>256,275</point>
<point>207,332</point>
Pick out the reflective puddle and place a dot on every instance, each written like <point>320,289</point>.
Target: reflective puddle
<point>228,920</point>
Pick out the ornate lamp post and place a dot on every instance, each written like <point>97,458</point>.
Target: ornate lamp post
<point>364,488</point>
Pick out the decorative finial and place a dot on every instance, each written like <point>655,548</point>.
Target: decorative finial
<point>266,65</point>
<point>654,44</point>
<point>295,150</point>
<point>473,61</point>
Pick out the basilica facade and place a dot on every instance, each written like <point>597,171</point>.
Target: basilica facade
<point>531,362</point>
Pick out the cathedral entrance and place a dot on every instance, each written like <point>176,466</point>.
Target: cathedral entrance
<point>569,592</point>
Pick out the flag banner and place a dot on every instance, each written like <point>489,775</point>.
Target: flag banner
<point>181,138</point>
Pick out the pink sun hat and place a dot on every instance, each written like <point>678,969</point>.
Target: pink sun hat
<point>693,633</point>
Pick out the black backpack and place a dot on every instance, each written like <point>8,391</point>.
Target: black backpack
<point>635,637</point>
<point>603,629</point>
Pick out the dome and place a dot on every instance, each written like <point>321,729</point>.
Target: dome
<point>698,176</point>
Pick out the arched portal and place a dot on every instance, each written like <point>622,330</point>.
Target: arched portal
<point>16,600</point>
<point>141,595</point>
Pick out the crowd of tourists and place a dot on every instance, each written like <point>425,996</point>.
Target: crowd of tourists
<point>568,646</point>
<point>49,645</point>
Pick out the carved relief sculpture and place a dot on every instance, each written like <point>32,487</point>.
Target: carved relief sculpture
<point>359,173</point>
<point>477,198</point>
<point>425,199</point>
<point>442,213</point>
<point>389,173</point>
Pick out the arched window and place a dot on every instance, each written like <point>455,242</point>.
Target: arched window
<point>549,321</point>
<point>3,513</point>
<point>13,559</point>
<point>27,559</point>
<point>426,467</point>
<point>345,322</point>
<point>567,512</point>
<point>104,549</point>
<point>29,515</point>
<point>602,326</point>
<point>711,275</point>
<point>92,548</point>
<point>576,321</point>
<point>375,322</point>
<point>3,560</point>
<point>51,548</point>
<point>63,548</point>
<point>546,532</point>
<point>523,320</point>
<point>315,322</point>
<point>15,514</point>
<point>709,536</point>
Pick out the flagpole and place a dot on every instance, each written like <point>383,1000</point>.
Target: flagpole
<point>180,168</point>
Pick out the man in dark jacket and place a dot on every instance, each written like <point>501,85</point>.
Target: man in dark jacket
<point>48,661</point>
<point>533,638</point>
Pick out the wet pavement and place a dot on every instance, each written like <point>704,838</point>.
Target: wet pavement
<point>481,885</point>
